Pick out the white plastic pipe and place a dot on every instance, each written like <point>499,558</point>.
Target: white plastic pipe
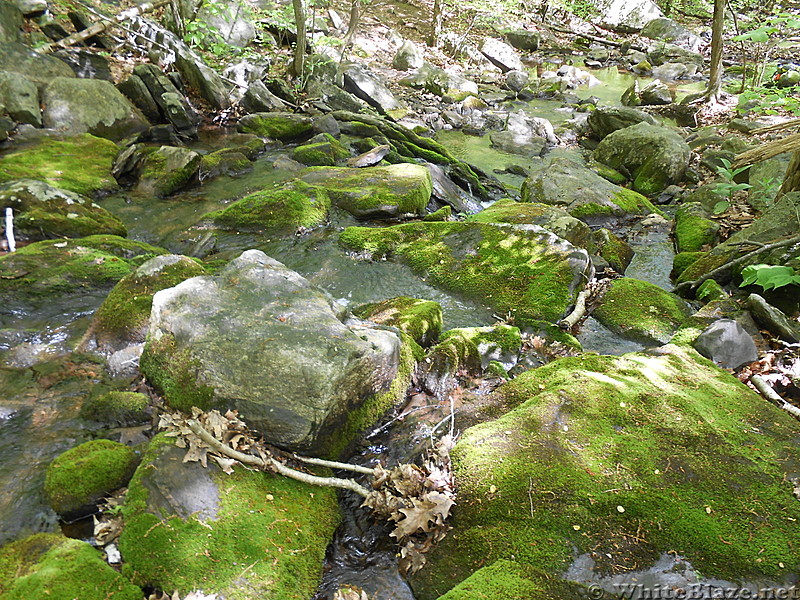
<point>12,245</point>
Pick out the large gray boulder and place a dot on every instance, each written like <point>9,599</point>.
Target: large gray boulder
<point>439,82</point>
<point>501,55</point>
<point>364,84</point>
<point>655,157</point>
<point>90,105</point>
<point>626,15</point>
<point>727,344</point>
<point>606,119</point>
<point>667,30</point>
<point>21,98</point>
<point>662,52</point>
<point>261,339</point>
<point>407,57</point>
<point>39,68</point>
<point>231,21</point>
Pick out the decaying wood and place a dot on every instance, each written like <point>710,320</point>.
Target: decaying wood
<point>101,26</point>
<point>791,182</point>
<point>691,285</point>
<point>577,313</point>
<point>770,394</point>
<point>764,151</point>
<point>777,127</point>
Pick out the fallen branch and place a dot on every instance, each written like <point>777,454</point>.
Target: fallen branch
<point>101,26</point>
<point>577,313</point>
<point>770,394</point>
<point>594,38</point>
<point>764,151</point>
<point>691,285</point>
<point>776,127</point>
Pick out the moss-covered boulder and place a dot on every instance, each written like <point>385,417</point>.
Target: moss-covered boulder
<point>374,192</point>
<point>694,231</point>
<point>567,182</point>
<point>80,164</point>
<point>167,170</point>
<point>42,211</point>
<point>36,66</point>
<point>123,317</point>
<point>607,119</point>
<point>641,311</point>
<point>79,478</point>
<point>553,218</point>
<point>48,565</point>
<point>611,248</point>
<point>519,269</point>
<point>117,408</point>
<point>228,161</point>
<point>260,338</point>
<point>282,210</point>
<point>93,106</point>
<point>420,319</point>
<point>37,273</point>
<point>622,459</point>
<point>285,127</point>
<point>242,536</point>
<point>654,156</point>
<point>326,152</point>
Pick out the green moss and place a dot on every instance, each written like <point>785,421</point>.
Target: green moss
<point>373,408</point>
<point>80,164</point>
<point>167,170</point>
<point>607,173</point>
<point>116,408</point>
<point>706,262</point>
<point>285,209</point>
<point>693,230</point>
<point>48,565</point>
<point>443,214</point>
<point>682,261</point>
<point>635,203</point>
<point>223,162</point>
<point>83,475</point>
<point>613,249</point>
<point>510,211</point>
<point>420,319</point>
<point>45,269</point>
<point>326,153</point>
<point>430,156</point>
<point>666,438</point>
<point>511,270</point>
<point>502,579</point>
<point>686,335</point>
<point>124,314</point>
<point>173,373</point>
<point>278,126</point>
<point>267,541</point>
<point>641,311</point>
<point>710,290</point>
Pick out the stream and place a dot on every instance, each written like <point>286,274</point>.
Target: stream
<point>44,384</point>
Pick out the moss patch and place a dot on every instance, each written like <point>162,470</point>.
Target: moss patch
<point>48,565</point>
<point>286,209</point>
<point>279,126</point>
<point>513,270</point>
<point>116,408</point>
<point>325,153</point>
<point>83,475</point>
<point>668,438</point>
<point>268,539</point>
<point>682,261</point>
<point>420,319</point>
<point>80,164</point>
<point>693,229</point>
<point>641,311</point>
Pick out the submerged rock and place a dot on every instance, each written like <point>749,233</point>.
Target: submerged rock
<point>261,339</point>
<point>614,456</point>
<point>520,269</point>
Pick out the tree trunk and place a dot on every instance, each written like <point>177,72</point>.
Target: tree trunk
<point>298,66</point>
<point>436,23</point>
<point>715,77</point>
<point>791,183</point>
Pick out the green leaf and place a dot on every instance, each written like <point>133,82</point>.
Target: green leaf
<point>769,277</point>
<point>721,206</point>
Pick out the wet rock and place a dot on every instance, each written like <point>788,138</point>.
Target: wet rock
<point>407,57</point>
<point>20,98</point>
<point>80,164</point>
<point>374,192</point>
<point>566,181</point>
<point>773,319</point>
<point>446,191</point>
<point>369,158</point>
<point>85,64</point>
<point>89,105</point>
<point>258,98</point>
<point>626,15</point>
<point>668,30</point>
<point>79,478</point>
<point>501,264</point>
<point>364,84</point>
<point>501,55</point>
<point>50,562</point>
<point>727,344</point>
<point>42,211</point>
<point>10,23</point>
<point>417,318</point>
<point>614,250</point>
<point>306,373</point>
<point>41,69</point>
<point>607,119</point>
<point>654,156</point>
<point>673,71</point>
<point>277,125</point>
<point>166,170</point>
<point>173,505</point>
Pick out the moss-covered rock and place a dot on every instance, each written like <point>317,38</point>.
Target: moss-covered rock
<point>624,458</point>
<point>228,161</point>
<point>443,214</point>
<point>520,269</point>
<point>279,126</point>
<point>80,164</point>
<point>654,156</point>
<point>693,229</point>
<point>614,250</point>
<point>374,192</point>
<point>641,311</point>
<point>321,154</point>
<point>48,565</point>
<point>282,210</point>
<point>420,319</point>
<point>42,211</point>
<point>245,535</point>
<point>36,273</point>
<point>117,408</point>
<point>122,318</point>
<point>709,291</point>
<point>682,261</point>
<point>79,478</point>
<point>167,170</point>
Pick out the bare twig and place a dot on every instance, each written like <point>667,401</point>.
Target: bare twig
<point>770,394</point>
<point>332,464</point>
<point>577,313</point>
